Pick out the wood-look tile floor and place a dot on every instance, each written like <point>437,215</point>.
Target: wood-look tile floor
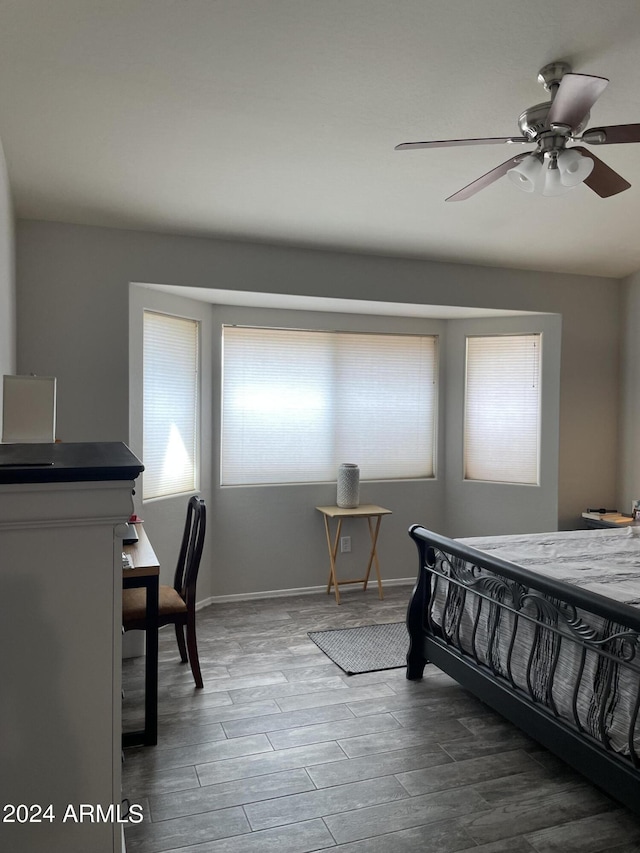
<point>283,752</point>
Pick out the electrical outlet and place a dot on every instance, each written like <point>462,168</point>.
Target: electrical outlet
<point>345,544</point>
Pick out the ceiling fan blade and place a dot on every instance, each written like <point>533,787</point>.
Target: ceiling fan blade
<point>487,179</point>
<point>603,180</point>
<point>448,143</point>
<point>576,95</point>
<point>612,135</point>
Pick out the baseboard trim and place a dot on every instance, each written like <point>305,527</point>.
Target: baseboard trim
<point>288,593</point>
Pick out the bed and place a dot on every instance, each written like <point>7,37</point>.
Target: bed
<point>544,628</point>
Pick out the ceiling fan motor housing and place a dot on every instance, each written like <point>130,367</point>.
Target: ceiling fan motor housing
<point>534,122</point>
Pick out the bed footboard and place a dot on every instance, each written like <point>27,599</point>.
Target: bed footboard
<point>560,662</point>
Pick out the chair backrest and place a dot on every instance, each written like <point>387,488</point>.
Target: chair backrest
<point>186,575</point>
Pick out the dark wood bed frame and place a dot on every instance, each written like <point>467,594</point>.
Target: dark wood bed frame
<point>549,606</point>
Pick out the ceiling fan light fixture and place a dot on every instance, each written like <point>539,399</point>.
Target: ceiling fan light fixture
<point>526,173</point>
<point>553,184</point>
<point>573,167</point>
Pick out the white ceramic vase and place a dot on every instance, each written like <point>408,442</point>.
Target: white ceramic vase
<point>348,486</point>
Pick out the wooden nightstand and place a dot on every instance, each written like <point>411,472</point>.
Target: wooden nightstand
<point>608,520</point>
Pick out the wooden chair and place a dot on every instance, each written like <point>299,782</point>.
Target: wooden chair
<point>177,604</point>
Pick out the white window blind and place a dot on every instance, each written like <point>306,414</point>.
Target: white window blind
<point>502,409</point>
<point>170,405</point>
<point>296,404</point>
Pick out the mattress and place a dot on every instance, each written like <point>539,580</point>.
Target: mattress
<point>603,561</point>
<point>595,693</point>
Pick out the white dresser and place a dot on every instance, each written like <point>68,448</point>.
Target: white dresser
<point>61,507</point>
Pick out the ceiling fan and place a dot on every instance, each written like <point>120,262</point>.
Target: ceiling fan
<point>554,167</point>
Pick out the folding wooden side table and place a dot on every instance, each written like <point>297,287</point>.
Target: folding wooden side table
<point>368,511</point>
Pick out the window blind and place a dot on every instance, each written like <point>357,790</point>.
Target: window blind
<point>298,403</point>
<point>170,408</point>
<point>502,408</point>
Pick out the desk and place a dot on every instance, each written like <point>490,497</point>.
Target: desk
<point>146,573</point>
<point>368,511</point>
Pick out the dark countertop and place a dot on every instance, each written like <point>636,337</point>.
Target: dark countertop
<point>68,463</point>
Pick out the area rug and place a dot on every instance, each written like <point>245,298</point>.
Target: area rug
<point>368,648</point>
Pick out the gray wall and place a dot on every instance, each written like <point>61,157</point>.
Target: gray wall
<point>7,279</point>
<point>629,485</point>
<point>73,323</point>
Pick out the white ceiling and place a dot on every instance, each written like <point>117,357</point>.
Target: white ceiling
<point>275,120</point>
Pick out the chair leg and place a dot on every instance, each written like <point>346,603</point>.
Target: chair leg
<point>192,646</point>
<point>182,646</point>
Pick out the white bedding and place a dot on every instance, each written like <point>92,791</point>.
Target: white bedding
<point>603,561</point>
